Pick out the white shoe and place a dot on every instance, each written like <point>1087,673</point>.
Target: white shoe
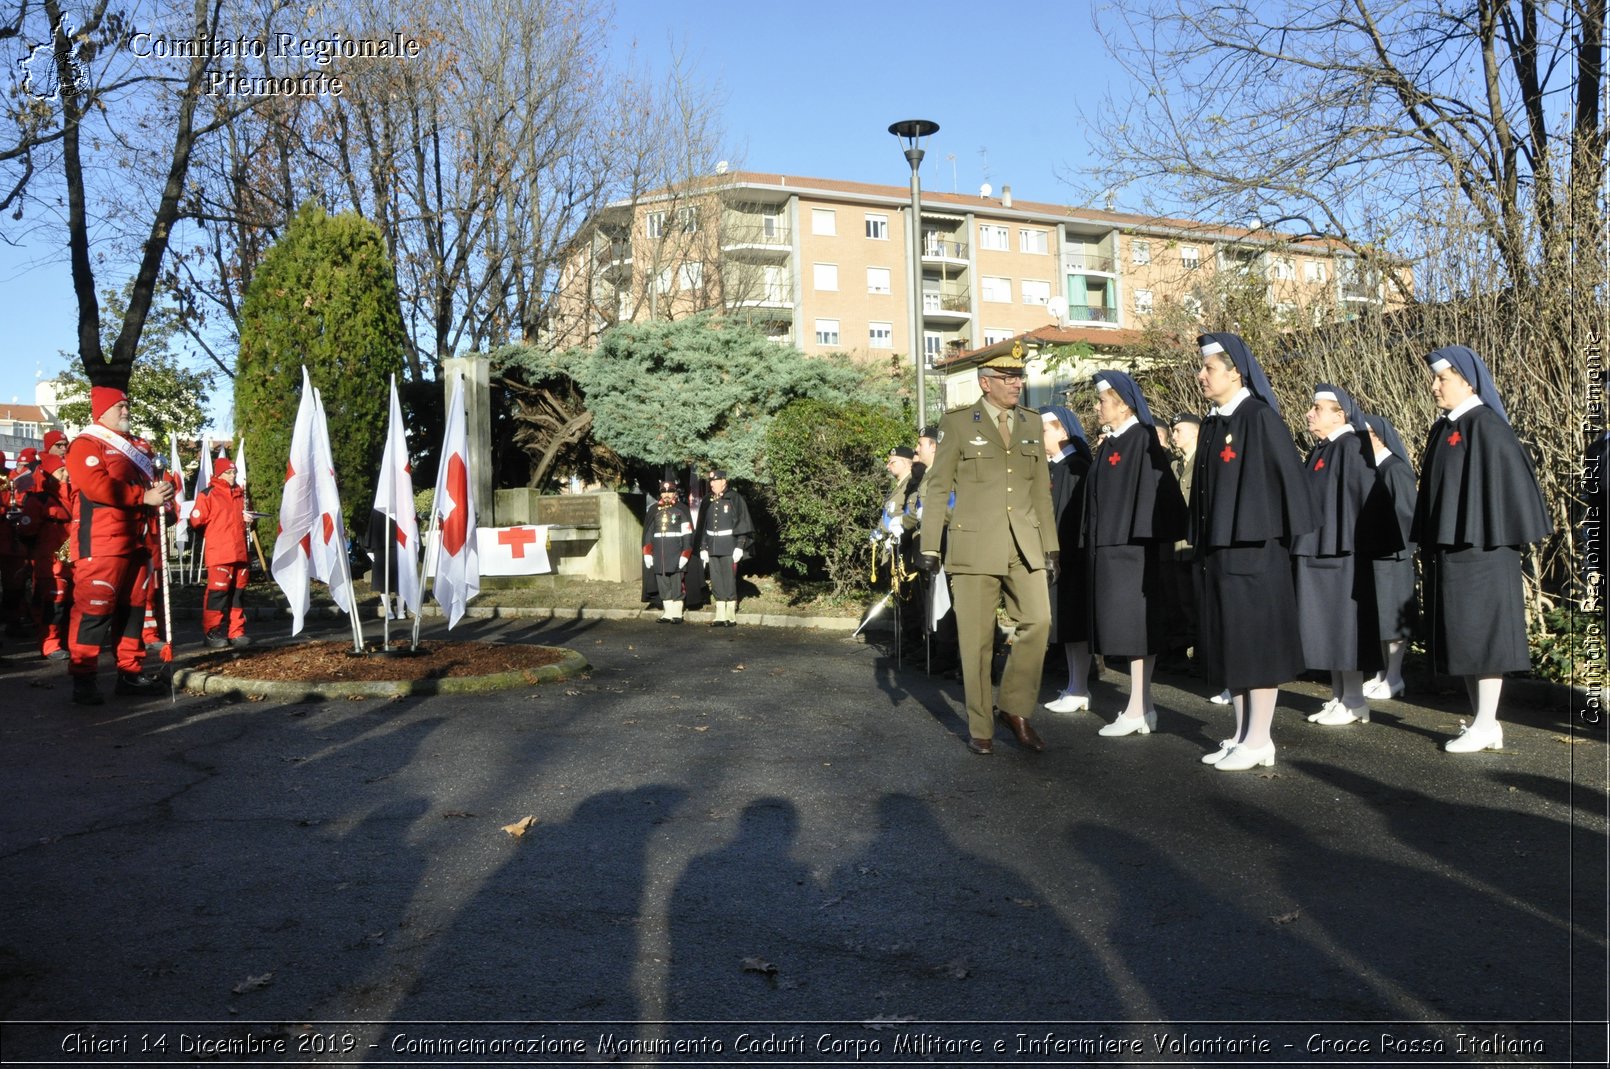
<point>1220,754</point>
<point>1221,698</point>
<point>1325,710</point>
<point>1244,757</point>
<point>1474,739</point>
<point>1340,714</point>
<point>1068,703</point>
<point>1379,690</point>
<point>1131,725</point>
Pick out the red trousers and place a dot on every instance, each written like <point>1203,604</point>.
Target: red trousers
<point>226,595</point>
<point>53,595</point>
<point>109,595</point>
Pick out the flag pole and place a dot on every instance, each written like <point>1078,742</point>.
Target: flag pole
<point>435,563</point>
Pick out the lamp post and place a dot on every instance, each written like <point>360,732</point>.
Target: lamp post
<point>911,132</point>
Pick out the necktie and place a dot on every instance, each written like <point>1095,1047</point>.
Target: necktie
<point>1006,428</point>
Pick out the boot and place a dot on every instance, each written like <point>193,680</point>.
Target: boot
<point>135,684</point>
<point>673,611</point>
<point>85,692</point>
<point>732,613</point>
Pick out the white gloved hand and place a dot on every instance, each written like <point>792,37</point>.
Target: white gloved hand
<point>681,562</point>
<point>737,554</point>
<point>648,560</point>
<point>704,555</point>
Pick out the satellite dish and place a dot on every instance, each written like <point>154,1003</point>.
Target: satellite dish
<point>985,190</point>
<point>1058,307</point>
<point>721,167</point>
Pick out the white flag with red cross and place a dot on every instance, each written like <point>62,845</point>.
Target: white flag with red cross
<point>299,509</point>
<point>458,567</point>
<point>393,529</point>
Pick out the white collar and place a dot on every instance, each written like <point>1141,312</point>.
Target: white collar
<point>1132,421</point>
<point>1067,451</point>
<point>1225,409</point>
<point>1473,401</point>
<point>1346,428</point>
<point>1381,454</point>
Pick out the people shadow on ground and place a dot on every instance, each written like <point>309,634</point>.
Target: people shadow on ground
<point>552,933</point>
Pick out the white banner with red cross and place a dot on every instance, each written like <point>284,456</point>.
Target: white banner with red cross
<point>512,550</point>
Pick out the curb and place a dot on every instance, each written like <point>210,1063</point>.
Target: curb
<point>218,684</point>
<point>500,612</point>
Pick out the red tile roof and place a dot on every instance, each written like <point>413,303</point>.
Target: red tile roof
<point>1050,334</point>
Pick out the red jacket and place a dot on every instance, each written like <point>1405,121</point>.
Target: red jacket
<point>220,512</point>
<point>109,508</point>
<point>46,516</point>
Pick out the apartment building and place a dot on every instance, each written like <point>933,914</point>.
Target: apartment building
<point>824,265</point>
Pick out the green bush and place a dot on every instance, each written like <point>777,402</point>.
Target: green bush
<point>1570,648</point>
<point>826,465</point>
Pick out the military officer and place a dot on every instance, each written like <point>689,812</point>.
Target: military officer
<point>1000,541</point>
<point>724,537</point>
<point>668,531</point>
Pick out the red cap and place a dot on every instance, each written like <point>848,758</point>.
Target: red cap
<point>221,465</point>
<point>52,437</point>
<point>28,456</point>
<point>103,397</point>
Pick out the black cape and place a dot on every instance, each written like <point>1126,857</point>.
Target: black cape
<point>1477,486</point>
<point>1248,484</point>
<point>1070,600</point>
<point>1340,475</point>
<point>1131,494</point>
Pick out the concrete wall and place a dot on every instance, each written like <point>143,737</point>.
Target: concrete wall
<point>595,536</point>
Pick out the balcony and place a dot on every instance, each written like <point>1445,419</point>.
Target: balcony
<point>1092,313</point>
<point>765,240</point>
<point>947,305</point>
<point>1082,263</point>
<point>613,258</point>
<point>943,250</point>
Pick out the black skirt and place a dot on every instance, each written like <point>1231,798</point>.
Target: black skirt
<point>1336,607</point>
<point>1397,609</point>
<point>1127,606</point>
<point>1476,611</point>
<point>1070,599</point>
<point>1247,633</point>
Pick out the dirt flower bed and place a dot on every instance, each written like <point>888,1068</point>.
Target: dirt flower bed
<point>334,662</point>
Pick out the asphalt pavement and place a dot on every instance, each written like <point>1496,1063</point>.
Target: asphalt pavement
<point>760,845</point>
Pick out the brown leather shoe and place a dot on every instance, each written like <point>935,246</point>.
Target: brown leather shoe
<point>1027,737</point>
<point>984,747</point>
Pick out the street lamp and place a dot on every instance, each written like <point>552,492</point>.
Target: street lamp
<point>911,132</point>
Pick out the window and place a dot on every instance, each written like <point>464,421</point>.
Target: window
<point>827,332</point>
<point>824,221</point>
<point>877,227</point>
<point>1140,252</point>
<point>826,276</point>
<point>654,224</point>
<point>691,276</point>
<point>1191,257</point>
<point>1284,269</point>
<point>880,335</point>
<point>996,334</point>
<point>995,289</point>
<point>1313,271</point>
<point>1036,292</point>
<point>662,281</point>
<point>993,237</point>
<point>1033,241</point>
<point>877,280</point>
<point>1143,300</point>
<point>933,344</point>
<point>689,219</point>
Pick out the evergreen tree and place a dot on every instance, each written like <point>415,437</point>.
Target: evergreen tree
<point>326,296</point>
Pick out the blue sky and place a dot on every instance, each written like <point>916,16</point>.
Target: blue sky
<point>805,89</point>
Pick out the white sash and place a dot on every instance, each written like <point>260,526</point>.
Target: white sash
<point>124,446</point>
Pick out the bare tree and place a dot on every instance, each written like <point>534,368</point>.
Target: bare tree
<point>1362,112</point>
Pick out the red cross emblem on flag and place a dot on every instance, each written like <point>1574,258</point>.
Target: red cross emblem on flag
<point>517,538</point>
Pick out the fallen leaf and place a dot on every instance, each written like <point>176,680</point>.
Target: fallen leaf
<point>521,826</point>
<point>1287,918</point>
<point>760,966</point>
<point>253,983</point>
<point>830,903</point>
<point>1026,903</point>
<point>881,1022</point>
<point>1578,741</point>
<point>456,813</point>
<point>257,697</point>
<point>956,970</point>
<point>702,727</point>
<point>738,668</point>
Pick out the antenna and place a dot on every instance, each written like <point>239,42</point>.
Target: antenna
<point>985,190</point>
<point>1058,307</point>
<point>721,167</point>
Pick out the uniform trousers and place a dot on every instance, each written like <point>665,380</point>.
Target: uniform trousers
<point>226,596</point>
<point>670,586</point>
<point>53,594</point>
<point>108,605</point>
<point>1028,602</point>
<point>723,578</point>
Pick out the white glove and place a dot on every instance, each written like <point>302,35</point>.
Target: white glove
<point>681,562</point>
<point>737,554</point>
<point>704,555</point>
<point>648,560</point>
